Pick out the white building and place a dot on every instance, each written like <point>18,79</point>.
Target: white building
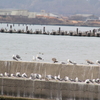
<point>19,13</point>
<point>31,14</point>
<point>5,12</point>
<point>25,13</point>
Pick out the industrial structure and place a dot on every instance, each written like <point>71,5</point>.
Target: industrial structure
<point>24,13</point>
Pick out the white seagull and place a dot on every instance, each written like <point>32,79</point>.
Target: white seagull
<point>14,58</point>
<point>70,62</point>
<point>87,81</point>
<point>1,75</point>
<point>97,62</point>
<point>33,76</point>
<point>12,75</point>
<point>39,76</point>
<point>34,58</point>
<point>18,57</point>
<point>76,79</point>
<point>97,80</point>
<point>49,77</point>
<point>24,75</point>
<point>18,74</point>
<point>66,78</point>
<point>6,74</point>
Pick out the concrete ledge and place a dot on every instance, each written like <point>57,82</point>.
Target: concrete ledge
<point>48,90</point>
<point>81,71</point>
<point>18,98</point>
<point>56,90</point>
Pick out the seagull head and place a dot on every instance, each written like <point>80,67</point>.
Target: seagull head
<point>97,61</point>
<point>68,60</point>
<point>34,58</point>
<point>13,55</point>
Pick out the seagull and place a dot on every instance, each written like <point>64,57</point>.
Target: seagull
<point>89,62</point>
<point>49,77</point>
<point>87,81</point>
<point>93,80</point>
<point>33,76</point>
<point>54,60</point>
<point>97,62</point>
<point>69,61</point>
<point>55,78</point>
<point>6,74</point>
<point>1,75</point>
<point>38,58</point>
<point>24,75</point>
<point>18,74</point>
<point>97,80</point>
<point>66,78</point>
<point>18,57</point>
<point>14,58</point>
<point>12,75</point>
<point>76,79</point>
<point>38,76</point>
<point>34,58</point>
<point>59,78</point>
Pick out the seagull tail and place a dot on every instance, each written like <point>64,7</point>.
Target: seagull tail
<point>55,61</point>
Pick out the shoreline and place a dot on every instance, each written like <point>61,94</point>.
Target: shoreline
<point>56,24</point>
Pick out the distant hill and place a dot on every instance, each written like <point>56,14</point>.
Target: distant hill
<point>62,7</point>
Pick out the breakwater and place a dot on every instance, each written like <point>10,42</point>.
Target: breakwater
<point>26,30</point>
<point>81,71</point>
<point>57,90</point>
<point>49,90</point>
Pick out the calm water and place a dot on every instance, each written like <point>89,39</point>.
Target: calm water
<point>77,49</point>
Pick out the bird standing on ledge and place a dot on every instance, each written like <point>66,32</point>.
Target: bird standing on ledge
<point>97,62</point>
<point>54,60</point>
<point>18,57</point>
<point>39,58</point>
<point>70,62</point>
<point>89,62</point>
<point>14,58</point>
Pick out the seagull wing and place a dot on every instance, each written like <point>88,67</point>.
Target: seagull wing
<point>18,57</point>
<point>39,58</point>
<point>15,58</point>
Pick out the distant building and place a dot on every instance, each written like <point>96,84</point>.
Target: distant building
<point>31,15</point>
<point>27,14</point>
<point>83,17</point>
<point>5,12</point>
<point>19,13</point>
<point>43,14</point>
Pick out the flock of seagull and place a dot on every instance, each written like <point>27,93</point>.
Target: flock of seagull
<point>50,77</point>
<point>35,76</point>
<point>38,58</point>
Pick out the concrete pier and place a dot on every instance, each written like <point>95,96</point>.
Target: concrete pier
<point>57,90</point>
<point>48,90</point>
<point>81,71</point>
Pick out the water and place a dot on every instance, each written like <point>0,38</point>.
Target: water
<point>77,49</point>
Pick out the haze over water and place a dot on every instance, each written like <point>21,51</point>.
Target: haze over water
<point>77,49</point>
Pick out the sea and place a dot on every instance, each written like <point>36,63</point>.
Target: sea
<point>75,48</point>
